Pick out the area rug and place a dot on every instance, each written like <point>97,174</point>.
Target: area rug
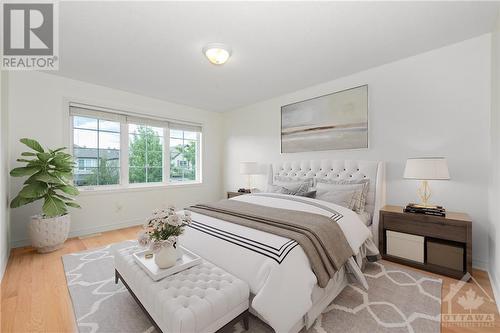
<point>397,300</point>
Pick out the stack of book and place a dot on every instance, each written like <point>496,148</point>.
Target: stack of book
<point>427,210</point>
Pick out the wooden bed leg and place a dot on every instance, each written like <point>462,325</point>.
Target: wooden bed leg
<point>116,276</point>
<point>246,321</point>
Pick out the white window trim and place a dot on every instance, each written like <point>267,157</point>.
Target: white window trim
<point>124,185</point>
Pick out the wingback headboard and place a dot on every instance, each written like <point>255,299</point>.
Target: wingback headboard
<point>340,169</point>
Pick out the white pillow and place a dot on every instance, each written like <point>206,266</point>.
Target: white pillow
<point>346,195</point>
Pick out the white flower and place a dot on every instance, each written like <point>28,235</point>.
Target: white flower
<point>174,220</point>
<point>143,238</point>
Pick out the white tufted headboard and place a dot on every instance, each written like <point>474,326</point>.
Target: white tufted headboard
<point>340,169</point>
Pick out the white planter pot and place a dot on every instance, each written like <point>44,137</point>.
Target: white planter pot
<point>49,234</point>
<point>166,257</point>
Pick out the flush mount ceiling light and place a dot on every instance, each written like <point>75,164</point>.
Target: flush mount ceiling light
<point>217,53</point>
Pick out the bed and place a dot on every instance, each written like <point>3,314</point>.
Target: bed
<point>285,291</point>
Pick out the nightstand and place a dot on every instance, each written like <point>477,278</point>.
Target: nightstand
<point>441,245</point>
<point>234,194</point>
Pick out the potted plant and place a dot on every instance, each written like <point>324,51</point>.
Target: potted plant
<point>160,233</point>
<point>50,179</point>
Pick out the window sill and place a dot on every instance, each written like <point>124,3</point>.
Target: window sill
<point>135,188</point>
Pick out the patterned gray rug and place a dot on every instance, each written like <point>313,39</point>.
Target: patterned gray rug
<point>398,300</point>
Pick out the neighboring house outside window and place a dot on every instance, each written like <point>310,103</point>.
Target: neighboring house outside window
<point>184,154</point>
<point>96,149</point>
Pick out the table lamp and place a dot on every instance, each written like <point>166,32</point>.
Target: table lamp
<point>249,169</point>
<point>424,169</point>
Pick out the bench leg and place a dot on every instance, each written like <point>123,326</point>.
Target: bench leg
<point>246,323</point>
<point>117,277</point>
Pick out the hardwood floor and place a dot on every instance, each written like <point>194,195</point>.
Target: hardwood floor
<point>34,296</point>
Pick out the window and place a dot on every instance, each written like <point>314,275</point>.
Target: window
<point>115,149</point>
<point>183,155</point>
<point>145,149</point>
<point>96,148</point>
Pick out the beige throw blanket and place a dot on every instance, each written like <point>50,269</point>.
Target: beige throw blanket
<point>319,236</point>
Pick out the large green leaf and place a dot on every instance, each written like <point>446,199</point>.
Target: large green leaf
<point>66,176</point>
<point>73,204</point>
<point>58,149</point>
<point>62,197</point>
<point>62,162</point>
<point>68,189</point>
<point>53,206</point>
<point>20,201</point>
<point>24,171</point>
<point>44,157</point>
<point>34,190</point>
<point>33,144</point>
<point>48,178</point>
<point>26,153</point>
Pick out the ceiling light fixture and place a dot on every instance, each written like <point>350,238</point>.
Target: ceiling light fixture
<point>217,53</point>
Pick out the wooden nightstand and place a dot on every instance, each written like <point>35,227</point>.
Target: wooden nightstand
<point>234,194</point>
<point>446,242</point>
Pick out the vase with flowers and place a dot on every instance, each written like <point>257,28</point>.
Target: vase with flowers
<point>161,232</point>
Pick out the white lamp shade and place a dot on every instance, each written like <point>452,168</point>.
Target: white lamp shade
<point>249,168</point>
<point>427,168</point>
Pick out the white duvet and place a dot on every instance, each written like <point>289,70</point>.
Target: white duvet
<point>276,268</point>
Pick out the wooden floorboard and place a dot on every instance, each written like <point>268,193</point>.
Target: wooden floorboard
<point>35,298</point>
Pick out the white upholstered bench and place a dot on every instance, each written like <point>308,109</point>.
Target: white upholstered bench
<point>203,298</point>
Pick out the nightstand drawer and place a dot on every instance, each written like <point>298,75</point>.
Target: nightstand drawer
<point>405,246</point>
<point>445,254</point>
<point>437,230</point>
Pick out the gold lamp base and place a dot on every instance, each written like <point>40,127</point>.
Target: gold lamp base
<point>424,193</point>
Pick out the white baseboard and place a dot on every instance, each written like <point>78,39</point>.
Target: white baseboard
<point>495,285</point>
<point>87,231</point>
<point>4,261</point>
<point>480,264</point>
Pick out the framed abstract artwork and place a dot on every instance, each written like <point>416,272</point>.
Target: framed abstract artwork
<point>334,121</point>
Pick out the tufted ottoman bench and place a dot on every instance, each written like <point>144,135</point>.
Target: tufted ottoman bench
<point>203,298</point>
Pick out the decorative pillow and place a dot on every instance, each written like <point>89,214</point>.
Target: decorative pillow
<point>346,195</point>
<point>366,218</point>
<point>360,201</point>
<point>286,181</point>
<point>310,194</point>
<point>291,188</point>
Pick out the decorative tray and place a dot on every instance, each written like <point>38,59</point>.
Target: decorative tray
<point>185,260</point>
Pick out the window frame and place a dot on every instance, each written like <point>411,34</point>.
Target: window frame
<point>124,183</point>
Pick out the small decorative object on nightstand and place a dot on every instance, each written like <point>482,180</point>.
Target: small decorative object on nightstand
<point>425,169</point>
<point>437,244</point>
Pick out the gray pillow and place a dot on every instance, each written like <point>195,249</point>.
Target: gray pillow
<point>310,194</point>
<point>288,181</point>
<point>292,189</point>
<point>360,200</point>
<point>346,195</point>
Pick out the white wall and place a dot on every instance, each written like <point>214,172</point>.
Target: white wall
<point>433,104</point>
<point>4,180</point>
<point>36,100</point>
<point>494,233</point>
